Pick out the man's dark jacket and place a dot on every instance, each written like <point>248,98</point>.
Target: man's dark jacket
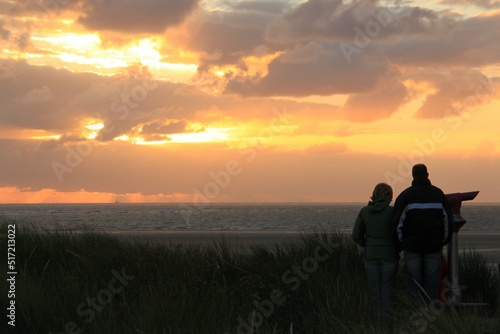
<point>423,218</point>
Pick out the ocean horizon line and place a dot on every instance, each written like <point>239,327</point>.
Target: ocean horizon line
<point>224,203</point>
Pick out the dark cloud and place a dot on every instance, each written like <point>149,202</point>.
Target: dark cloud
<point>15,34</point>
<point>52,144</point>
<point>42,97</point>
<point>275,7</point>
<point>225,37</point>
<point>62,102</point>
<point>234,30</point>
<point>374,87</point>
<point>303,22</point>
<point>339,21</point>
<point>377,104</point>
<point>164,128</point>
<point>473,42</point>
<point>479,3</point>
<point>332,47</point>
<point>37,97</point>
<point>136,16</point>
<point>57,100</point>
<point>313,68</point>
<point>456,91</point>
<point>4,33</point>
<point>43,9</point>
<point>130,16</point>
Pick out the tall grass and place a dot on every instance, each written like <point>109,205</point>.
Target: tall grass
<point>316,285</point>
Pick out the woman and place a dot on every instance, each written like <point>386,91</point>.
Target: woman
<point>374,231</point>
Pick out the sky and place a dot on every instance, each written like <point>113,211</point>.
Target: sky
<point>246,101</point>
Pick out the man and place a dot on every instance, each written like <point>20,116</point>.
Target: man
<point>424,226</point>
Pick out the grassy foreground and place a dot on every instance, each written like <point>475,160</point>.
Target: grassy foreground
<point>93,283</point>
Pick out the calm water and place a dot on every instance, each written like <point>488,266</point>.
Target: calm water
<point>480,217</point>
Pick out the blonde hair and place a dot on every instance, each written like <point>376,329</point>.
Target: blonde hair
<point>381,190</point>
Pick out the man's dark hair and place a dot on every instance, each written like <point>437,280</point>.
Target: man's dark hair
<point>419,171</point>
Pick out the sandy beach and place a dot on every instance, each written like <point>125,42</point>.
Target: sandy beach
<point>485,243</point>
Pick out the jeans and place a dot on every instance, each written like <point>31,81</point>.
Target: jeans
<point>381,283</point>
<point>422,272</point>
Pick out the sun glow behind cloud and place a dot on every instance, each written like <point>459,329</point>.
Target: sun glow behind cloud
<point>49,137</point>
<point>209,135</point>
<point>79,51</point>
<point>94,127</point>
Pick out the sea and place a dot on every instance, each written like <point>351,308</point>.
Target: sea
<point>224,217</point>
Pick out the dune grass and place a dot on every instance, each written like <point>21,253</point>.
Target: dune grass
<point>94,283</point>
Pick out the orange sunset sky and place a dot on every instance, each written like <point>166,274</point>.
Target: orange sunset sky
<point>246,101</point>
